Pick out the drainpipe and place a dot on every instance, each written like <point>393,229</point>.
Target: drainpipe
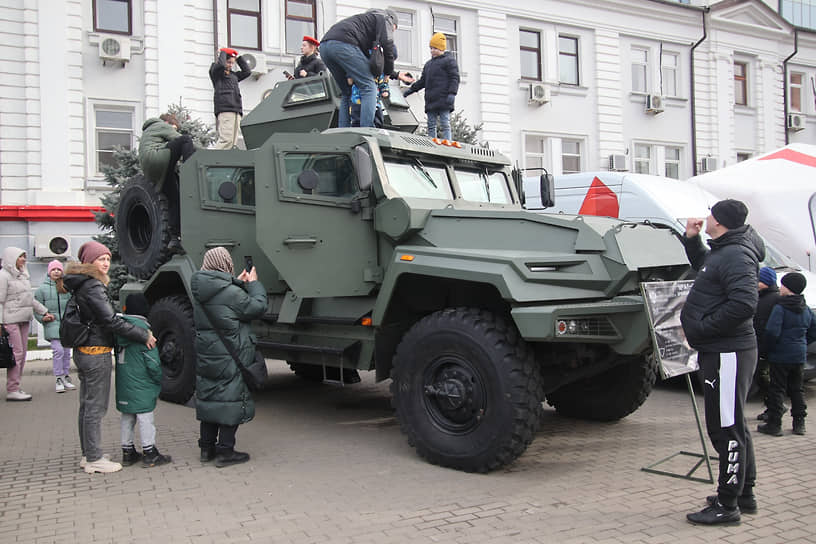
<point>215,28</point>
<point>693,97</point>
<point>785,82</point>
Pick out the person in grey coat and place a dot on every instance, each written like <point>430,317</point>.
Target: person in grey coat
<point>223,400</point>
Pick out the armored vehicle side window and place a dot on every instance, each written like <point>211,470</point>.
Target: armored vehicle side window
<point>335,174</point>
<point>241,177</point>
<point>483,186</point>
<point>417,180</point>
<point>308,91</point>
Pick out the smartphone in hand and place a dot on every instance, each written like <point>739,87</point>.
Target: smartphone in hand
<point>288,75</point>
<point>248,264</point>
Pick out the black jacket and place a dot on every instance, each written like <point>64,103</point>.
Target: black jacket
<point>718,314</point>
<point>440,79</point>
<point>227,95</point>
<point>312,64</point>
<point>85,283</point>
<point>791,326</point>
<point>363,30</point>
<point>767,300</point>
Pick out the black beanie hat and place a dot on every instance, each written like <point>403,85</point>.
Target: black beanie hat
<point>136,304</point>
<point>730,213</point>
<point>794,281</point>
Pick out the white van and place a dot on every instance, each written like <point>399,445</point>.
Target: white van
<point>663,202</point>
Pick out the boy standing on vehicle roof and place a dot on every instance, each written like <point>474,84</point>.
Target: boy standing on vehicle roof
<point>227,96</point>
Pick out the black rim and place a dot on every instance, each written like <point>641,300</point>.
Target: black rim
<point>171,354</point>
<point>455,396</point>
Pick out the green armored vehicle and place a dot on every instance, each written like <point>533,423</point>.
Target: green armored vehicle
<point>387,251</point>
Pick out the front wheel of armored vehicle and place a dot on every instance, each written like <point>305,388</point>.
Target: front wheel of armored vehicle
<point>142,226</point>
<point>466,389</point>
<point>171,319</point>
<point>609,396</point>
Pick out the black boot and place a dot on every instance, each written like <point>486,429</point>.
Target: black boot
<point>130,456</point>
<point>225,457</point>
<point>799,425</point>
<point>716,514</point>
<point>152,457</point>
<point>770,428</point>
<point>207,451</point>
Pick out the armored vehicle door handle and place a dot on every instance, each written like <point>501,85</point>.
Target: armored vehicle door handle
<point>300,241</point>
<point>225,243</point>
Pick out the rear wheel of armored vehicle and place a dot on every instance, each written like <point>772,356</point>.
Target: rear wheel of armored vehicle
<point>171,319</point>
<point>142,227</point>
<point>466,390</point>
<point>609,396</point>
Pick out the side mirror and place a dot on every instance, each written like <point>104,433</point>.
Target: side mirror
<point>547,190</point>
<point>307,180</point>
<point>363,167</point>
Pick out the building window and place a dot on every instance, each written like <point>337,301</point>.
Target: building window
<point>244,24</point>
<point>672,162</point>
<point>113,127</point>
<point>300,21</point>
<point>744,156</point>
<point>535,153</point>
<point>799,12</point>
<point>448,27</point>
<point>113,16</point>
<point>568,60</point>
<point>570,156</point>
<point>795,91</point>
<point>404,38</point>
<point>530,46</point>
<point>643,159</point>
<point>640,70</point>
<point>669,65</point>
<point>740,84</point>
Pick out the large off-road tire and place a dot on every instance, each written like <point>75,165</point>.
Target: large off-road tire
<point>171,319</point>
<point>609,396</point>
<point>142,227</point>
<point>466,390</point>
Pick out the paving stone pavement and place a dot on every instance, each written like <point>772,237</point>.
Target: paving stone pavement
<point>329,464</point>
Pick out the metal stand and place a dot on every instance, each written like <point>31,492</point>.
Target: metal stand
<point>704,457</point>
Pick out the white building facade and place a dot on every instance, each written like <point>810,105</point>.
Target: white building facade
<point>658,86</point>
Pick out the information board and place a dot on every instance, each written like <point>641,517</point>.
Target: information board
<point>664,301</point>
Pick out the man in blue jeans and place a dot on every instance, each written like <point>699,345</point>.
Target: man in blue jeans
<point>344,51</point>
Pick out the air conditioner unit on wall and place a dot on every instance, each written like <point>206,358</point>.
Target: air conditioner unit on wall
<point>257,63</point>
<point>708,164</point>
<point>115,48</point>
<point>539,94</point>
<point>48,246</point>
<point>796,122</point>
<point>617,163</point>
<point>654,103</point>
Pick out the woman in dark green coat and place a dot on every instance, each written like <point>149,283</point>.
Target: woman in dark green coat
<point>223,400</point>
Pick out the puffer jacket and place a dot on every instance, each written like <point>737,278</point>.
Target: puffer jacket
<point>154,155</point>
<point>312,64</point>
<point>227,94</point>
<point>17,302</point>
<point>362,30</point>
<point>87,284</point>
<point>55,301</point>
<point>789,330</point>
<point>222,397</point>
<point>440,79</point>
<point>718,314</point>
<point>768,298</point>
<point>138,372</point>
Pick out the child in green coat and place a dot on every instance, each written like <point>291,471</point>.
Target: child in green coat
<point>138,382</point>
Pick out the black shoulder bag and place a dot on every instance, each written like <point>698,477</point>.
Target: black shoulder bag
<point>254,375</point>
<point>6,351</point>
<point>73,331</point>
<point>376,60</point>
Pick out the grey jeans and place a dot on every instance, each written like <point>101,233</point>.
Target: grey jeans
<point>94,393</point>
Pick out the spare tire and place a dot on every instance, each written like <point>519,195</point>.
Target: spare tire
<point>142,226</point>
<point>171,318</point>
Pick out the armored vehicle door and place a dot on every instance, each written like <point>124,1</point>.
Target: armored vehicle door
<point>309,219</point>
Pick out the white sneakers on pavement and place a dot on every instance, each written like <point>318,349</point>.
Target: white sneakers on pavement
<point>84,460</point>
<point>17,396</point>
<point>103,465</point>
<point>60,386</point>
<point>66,381</point>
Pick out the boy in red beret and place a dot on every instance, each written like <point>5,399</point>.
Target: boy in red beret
<point>227,96</point>
<point>310,64</point>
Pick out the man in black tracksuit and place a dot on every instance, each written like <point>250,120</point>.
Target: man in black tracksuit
<point>717,319</point>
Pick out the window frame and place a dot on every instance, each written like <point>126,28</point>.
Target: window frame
<point>741,80</point>
<point>644,65</point>
<point>208,203</point>
<point>258,15</point>
<point>676,71</point>
<point>667,161</point>
<point>97,28</point>
<point>451,37</point>
<point>579,155</point>
<point>95,130</point>
<point>796,86</point>
<point>547,151</point>
<point>648,160</point>
<point>288,195</point>
<point>576,55</point>
<point>411,32</point>
<point>287,17</point>
<point>537,52</point>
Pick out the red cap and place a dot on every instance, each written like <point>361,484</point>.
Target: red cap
<point>230,51</point>
<point>311,40</point>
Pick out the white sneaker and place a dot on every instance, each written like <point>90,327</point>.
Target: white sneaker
<point>66,381</point>
<point>84,461</point>
<point>60,386</point>
<point>18,395</point>
<point>102,465</point>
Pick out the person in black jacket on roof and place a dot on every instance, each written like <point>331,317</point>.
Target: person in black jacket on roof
<point>227,95</point>
<point>717,319</point>
<point>310,63</point>
<point>345,50</point>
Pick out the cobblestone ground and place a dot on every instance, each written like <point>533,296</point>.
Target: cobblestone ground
<point>330,465</point>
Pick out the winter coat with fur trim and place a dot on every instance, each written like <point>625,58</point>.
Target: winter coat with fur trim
<point>88,285</point>
<point>17,303</point>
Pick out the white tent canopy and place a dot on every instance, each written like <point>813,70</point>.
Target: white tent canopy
<point>779,189</point>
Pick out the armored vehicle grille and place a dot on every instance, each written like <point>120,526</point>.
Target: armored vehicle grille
<point>418,141</point>
<point>601,327</point>
<point>483,151</point>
